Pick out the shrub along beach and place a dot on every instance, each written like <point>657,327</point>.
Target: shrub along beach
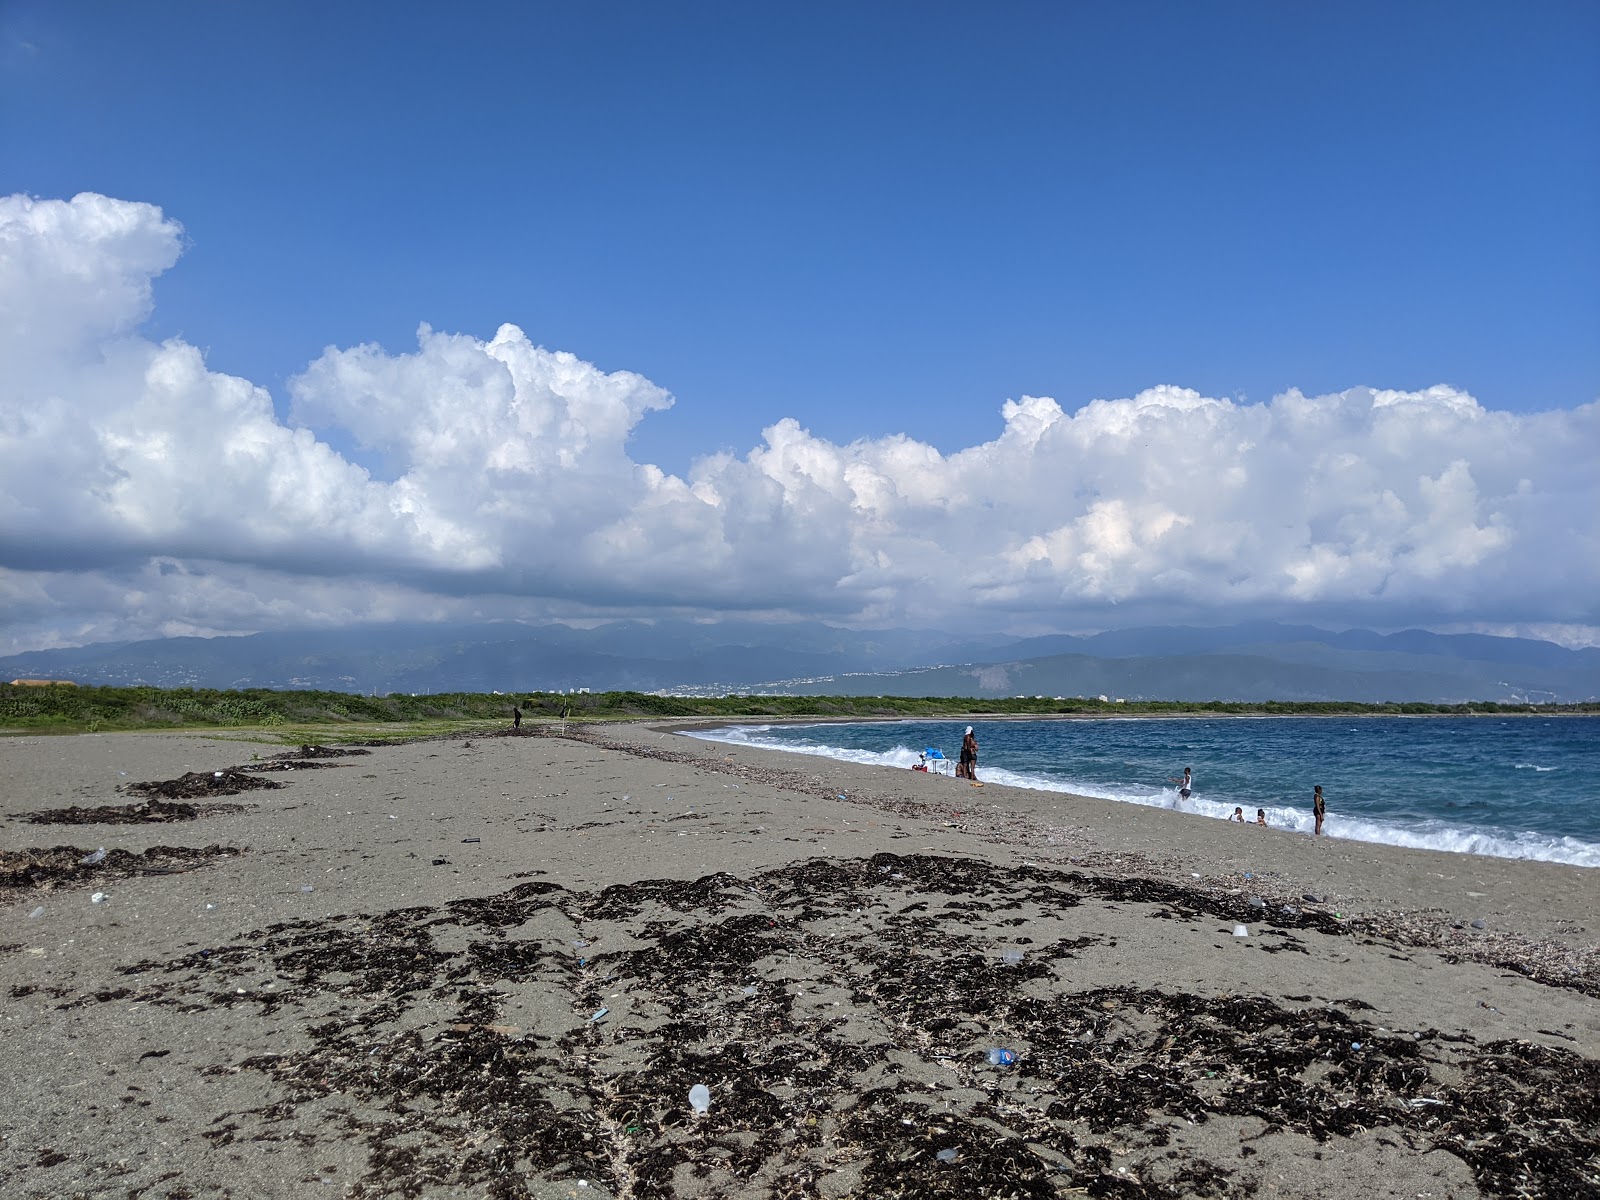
<point>68,708</point>
<point>495,962</point>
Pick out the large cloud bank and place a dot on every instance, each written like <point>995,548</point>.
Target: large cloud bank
<point>142,494</point>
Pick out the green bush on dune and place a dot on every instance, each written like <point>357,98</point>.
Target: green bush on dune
<point>66,709</point>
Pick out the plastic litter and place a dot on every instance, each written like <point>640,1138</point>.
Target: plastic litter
<point>1355,1045</point>
<point>468,841</point>
<point>36,913</point>
<point>700,1098</point>
<point>999,1056</point>
<point>749,991</point>
<point>306,887</point>
<point>1257,902</point>
<point>599,1015</point>
<point>99,898</point>
<point>948,1154</point>
<point>1012,956</point>
<point>1241,931</point>
<point>90,859</point>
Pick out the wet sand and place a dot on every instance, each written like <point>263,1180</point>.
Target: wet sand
<point>495,966</point>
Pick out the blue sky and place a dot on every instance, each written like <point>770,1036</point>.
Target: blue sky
<point>874,220</point>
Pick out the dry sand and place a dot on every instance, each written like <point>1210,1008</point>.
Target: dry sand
<point>495,966</point>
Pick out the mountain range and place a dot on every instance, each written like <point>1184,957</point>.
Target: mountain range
<point>1248,662</point>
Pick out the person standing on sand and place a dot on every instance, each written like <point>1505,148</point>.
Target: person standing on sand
<point>968,766</point>
<point>1319,809</point>
<point>1185,785</point>
<point>516,717</point>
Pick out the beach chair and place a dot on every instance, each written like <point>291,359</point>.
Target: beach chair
<point>937,763</point>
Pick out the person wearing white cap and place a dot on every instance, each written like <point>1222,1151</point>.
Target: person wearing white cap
<point>968,768</point>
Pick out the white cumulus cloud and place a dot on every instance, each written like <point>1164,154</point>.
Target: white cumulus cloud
<point>142,493</point>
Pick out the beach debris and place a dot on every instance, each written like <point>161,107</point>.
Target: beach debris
<point>99,898</point>
<point>89,860</point>
<point>469,841</point>
<point>948,1154</point>
<point>1311,899</point>
<point>1119,1059</point>
<point>36,913</point>
<point>1257,902</point>
<point>999,1056</point>
<point>39,869</point>
<point>441,862</point>
<point>306,889</point>
<point>1012,956</point>
<point>146,812</point>
<point>700,1099</point>
<point>600,1014</point>
<point>1241,931</point>
<point>199,784</point>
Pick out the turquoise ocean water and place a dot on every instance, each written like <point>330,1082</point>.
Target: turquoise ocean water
<point>1514,787</point>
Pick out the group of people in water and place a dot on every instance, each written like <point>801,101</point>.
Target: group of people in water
<point>967,768</point>
<point>1319,807</point>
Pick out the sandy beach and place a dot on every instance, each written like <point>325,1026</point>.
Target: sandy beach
<point>496,966</point>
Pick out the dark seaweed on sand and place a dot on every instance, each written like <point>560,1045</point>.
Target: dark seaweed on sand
<point>839,1013</point>
<point>148,812</point>
<point>197,785</point>
<point>35,870</point>
<point>307,758</point>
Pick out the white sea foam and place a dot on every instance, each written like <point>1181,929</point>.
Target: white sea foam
<point>1419,835</point>
<point>1534,767</point>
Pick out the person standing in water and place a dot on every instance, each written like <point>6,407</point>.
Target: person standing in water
<point>1185,785</point>
<point>968,767</point>
<point>1319,808</point>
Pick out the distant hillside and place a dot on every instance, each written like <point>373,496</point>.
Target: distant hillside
<point>1249,662</point>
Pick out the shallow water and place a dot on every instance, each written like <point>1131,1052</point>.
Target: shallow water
<point>1514,787</point>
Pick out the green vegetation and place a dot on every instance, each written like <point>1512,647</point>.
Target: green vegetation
<point>291,716</point>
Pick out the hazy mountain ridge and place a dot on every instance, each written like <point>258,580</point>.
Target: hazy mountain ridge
<point>1257,661</point>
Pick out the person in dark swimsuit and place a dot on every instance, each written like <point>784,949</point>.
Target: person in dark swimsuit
<point>1319,808</point>
<point>968,768</point>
